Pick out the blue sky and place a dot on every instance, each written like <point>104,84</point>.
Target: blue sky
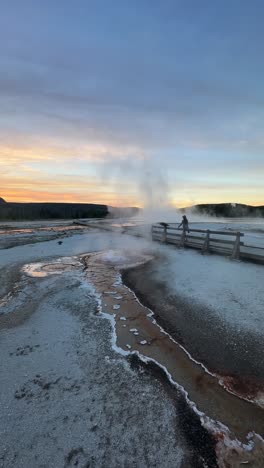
<point>101,100</point>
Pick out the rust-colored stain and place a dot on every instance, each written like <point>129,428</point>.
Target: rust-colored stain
<point>241,386</point>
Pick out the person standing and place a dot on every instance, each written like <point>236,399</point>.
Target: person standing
<point>184,224</point>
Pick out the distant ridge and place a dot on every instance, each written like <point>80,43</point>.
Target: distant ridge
<point>227,210</point>
<point>38,211</point>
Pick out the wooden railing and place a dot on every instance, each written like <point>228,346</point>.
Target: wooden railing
<point>222,242</point>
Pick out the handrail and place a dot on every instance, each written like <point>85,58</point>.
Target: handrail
<point>204,231</point>
<point>164,231</point>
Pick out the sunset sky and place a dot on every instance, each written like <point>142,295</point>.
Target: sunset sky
<point>122,102</point>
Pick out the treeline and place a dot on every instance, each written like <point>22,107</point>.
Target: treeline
<point>38,211</point>
<point>229,210</point>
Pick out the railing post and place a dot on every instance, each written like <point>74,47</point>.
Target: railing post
<point>152,231</point>
<point>206,246</point>
<point>236,250</point>
<point>164,236</point>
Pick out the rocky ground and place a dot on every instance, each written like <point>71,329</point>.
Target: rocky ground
<point>68,399</point>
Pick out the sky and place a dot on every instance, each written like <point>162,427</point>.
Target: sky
<point>131,103</point>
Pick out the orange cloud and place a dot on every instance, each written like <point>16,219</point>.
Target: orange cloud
<point>65,188</point>
<point>21,181</point>
<point>108,198</point>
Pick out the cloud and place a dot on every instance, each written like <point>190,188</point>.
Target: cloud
<point>65,188</point>
<point>109,198</point>
<point>100,89</point>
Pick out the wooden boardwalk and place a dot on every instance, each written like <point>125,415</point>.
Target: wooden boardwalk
<point>221,242</point>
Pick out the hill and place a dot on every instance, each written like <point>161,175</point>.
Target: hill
<point>38,211</point>
<point>227,210</point>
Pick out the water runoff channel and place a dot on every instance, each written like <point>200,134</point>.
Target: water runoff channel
<point>236,424</point>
